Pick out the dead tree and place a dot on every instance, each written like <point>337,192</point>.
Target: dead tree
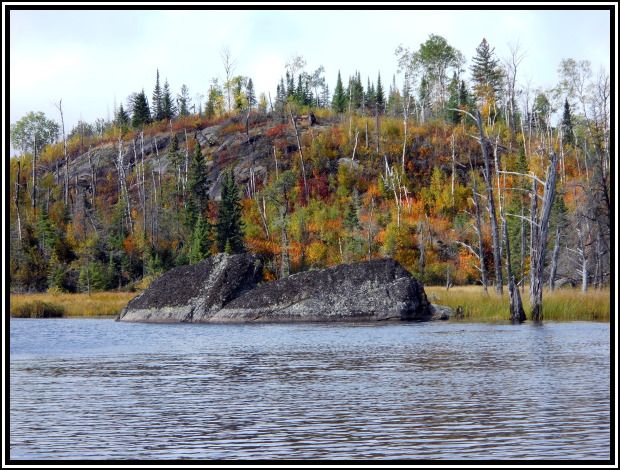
<point>16,201</point>
<point>122,182</point>
<point>64,141</point>
<point>497,260</point>
<point>540,225</point>
<point>406,107</point>
<point>301,153</point>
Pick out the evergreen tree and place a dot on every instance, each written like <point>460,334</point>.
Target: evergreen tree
<point>183,101</point>
<point>141,114</point>
<point>486,73</point>
<point>380,96</point>
<point>356,92</point>
<point>567,125</point>
<point>339,101</point>
<point>371,97</point>
<point>250,93</point>
<point>454,101</point>
<point>157,100</point>
<point>464,99</point>
<point>197,186</point>
<point>122,117</point>
<point>167,105</point>
<point>290,85</point>
<point>200,246</point>
<point>229,224</point>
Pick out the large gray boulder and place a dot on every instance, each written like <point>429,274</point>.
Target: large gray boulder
<point>194,293</point>
<point>224,288</point>
<point>367,291</point>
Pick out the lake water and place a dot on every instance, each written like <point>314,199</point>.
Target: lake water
<point>99,389</point>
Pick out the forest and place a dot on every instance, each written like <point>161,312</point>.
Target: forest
<point>482,181</point>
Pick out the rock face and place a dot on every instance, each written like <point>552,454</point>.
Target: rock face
<point>374,290</point>
<point>223,289</point>
<point>194,293</point>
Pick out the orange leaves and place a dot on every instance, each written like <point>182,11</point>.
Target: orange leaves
<point>277,131</point>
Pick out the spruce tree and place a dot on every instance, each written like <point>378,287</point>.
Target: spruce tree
<point>200,246</point>
<point>453,103</point>
<point>183,101</point>
<point>250,94</point>
<point>339,101</point>
<point>122,117</point>
<point>157,100</point>
<point>486,73</point>
<point>167,106</point>
<point>229,224</point>
<point>197,186</point>
<point>380,96</point>
<point>567,125</point>
<point>141,114</point>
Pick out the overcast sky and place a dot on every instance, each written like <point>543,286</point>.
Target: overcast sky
<point>93,59</point>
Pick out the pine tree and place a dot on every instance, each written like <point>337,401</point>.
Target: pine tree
<point>167,106</point>
<point>339,101</point>
<point>486,73</point>
<point>141,114</point>
<point>453,103</point>
<point>183,101</point>
<point>229,224</point>
<point>380,96</point>
<point>200,246</point>
<point>250,94</point>
<point>567,125</point>
<point>122,117</point>
<point>290,85</point>
<point>157,100</point>
<point>197,186</point>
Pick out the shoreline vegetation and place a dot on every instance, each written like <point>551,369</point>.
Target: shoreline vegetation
<point>560,305</point>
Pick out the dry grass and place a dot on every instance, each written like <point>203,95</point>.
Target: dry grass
<point>74,305</point>
<point>560,305</point>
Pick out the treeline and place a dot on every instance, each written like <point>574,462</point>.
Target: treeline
<point>449,176</point>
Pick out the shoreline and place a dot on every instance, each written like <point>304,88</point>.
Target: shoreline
<point>560,305</point>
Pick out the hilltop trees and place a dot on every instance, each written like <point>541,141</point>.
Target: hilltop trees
<point>141,113</point>
<point>444,190</point>
<point>486,74</point>
<point>339,101</point>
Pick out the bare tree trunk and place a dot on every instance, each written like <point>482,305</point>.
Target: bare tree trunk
<point>494,228</point>
<point>33,201</point>
<point>143,183</point>
<point>554,260</point>
<point>93,176</point>
<point>64,141</point>
<point>301,154</point>
<point>285,266</point>
<point>123,183</point>
<point>483,270</point>
<point>405,126</point>
<point>517,314</point>
<point>522,254</point>
<point>372,206</point>
<point>538,262</point>
<point>16,201</point>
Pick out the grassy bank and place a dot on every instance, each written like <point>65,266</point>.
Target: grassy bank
<point>560,305</point>
<point>72,305</point>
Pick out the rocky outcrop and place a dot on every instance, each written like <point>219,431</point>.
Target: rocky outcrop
<point>368,291</point>
<point>194,293</point>
<point>224,289</point>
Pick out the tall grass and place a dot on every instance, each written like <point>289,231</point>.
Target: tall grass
<point>73,305</point>
<point>559,305</point>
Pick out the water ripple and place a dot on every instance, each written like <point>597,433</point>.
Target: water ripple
<point>96,389</point>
